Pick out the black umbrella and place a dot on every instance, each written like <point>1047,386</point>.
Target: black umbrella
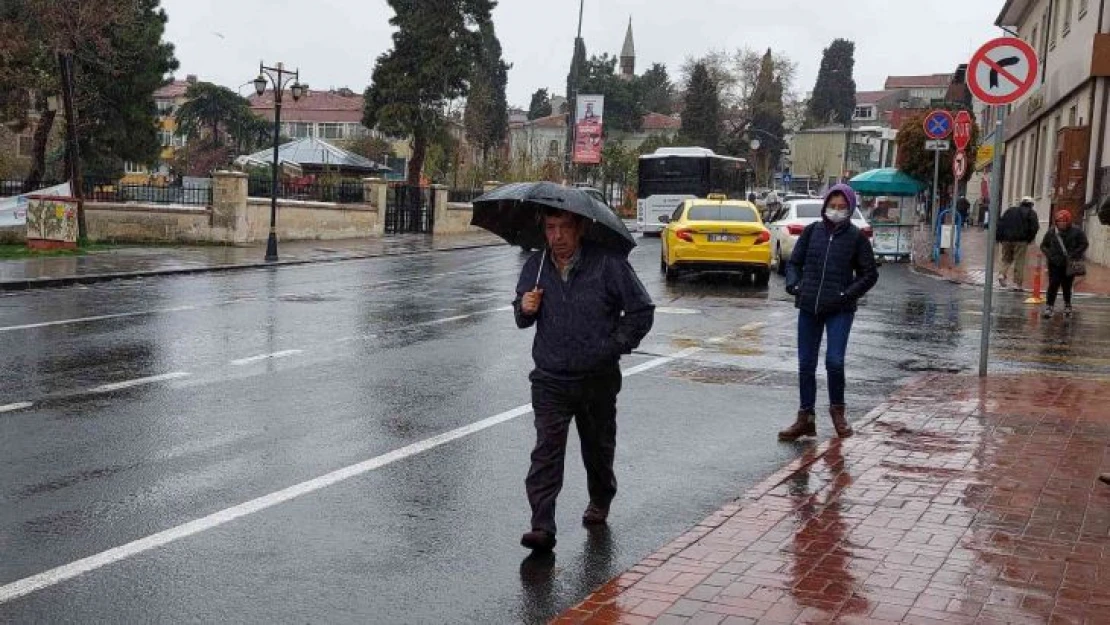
<point>514,213</point>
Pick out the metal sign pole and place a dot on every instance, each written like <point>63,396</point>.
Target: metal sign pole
<point>934,209</point>
<point>995,209</point>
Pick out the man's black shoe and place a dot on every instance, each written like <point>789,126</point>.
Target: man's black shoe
<point>538,540</point>
<point>595,515</point>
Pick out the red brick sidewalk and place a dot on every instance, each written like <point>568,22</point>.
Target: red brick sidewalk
<point>959,502</point>
<point>973,263</point>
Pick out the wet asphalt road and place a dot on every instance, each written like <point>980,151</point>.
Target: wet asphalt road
<point>129,409</point>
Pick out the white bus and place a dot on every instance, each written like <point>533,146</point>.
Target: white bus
<point>671,175</point>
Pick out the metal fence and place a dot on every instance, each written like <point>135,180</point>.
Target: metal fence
<point>408,209</point>
<point>104,190</point>
<point>343,192</point>
<point>463,196</point>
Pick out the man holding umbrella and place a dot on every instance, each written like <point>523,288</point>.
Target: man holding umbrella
<point>589,308</point>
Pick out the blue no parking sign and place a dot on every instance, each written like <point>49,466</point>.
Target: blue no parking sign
<point>938,124</point>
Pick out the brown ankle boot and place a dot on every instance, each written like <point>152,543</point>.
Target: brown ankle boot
<point>840,421</point>
<point>806,425</point>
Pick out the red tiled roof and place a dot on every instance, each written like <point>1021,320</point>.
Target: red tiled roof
<point>175,89</point>
<point>315,106</point>
<point>871,97</point>
<point>551,121</point>
<point>659,121</point>
<point>932,81</point>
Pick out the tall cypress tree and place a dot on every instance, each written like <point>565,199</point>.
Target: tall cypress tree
<point>701,119</point>
<point>434,51</point>
<point>540,106</point>
<point>834,94</point>
<point>487,109</point>
<point>767,114</point>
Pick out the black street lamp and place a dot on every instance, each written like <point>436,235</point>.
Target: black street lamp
<point>279,77</point>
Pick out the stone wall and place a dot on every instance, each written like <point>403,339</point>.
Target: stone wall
<point>147,223</point>
<point>1099,237</point>
<point>307,220</point>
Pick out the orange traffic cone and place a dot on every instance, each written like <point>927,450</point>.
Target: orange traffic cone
<point>1036,298</point>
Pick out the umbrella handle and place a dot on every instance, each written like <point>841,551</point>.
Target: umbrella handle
<point>543,260</point>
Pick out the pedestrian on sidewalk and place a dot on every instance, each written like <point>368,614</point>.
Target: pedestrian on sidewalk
<point>963,207</point>
<point>1064,247</point>
<point>1016,229</point>
<point>832,267</point>
<point>589,308</point>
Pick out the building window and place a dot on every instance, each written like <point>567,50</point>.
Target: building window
<point>553,149</point>
<point>330,130</point>
<point>298,130</point>
<point>1036,43</point>
<point>864,112</point>
<point>1065,24</point>
<point>26,148</point>
<point>356,131</point>
<point>1073,115</point>
<point>1082,8</point>
<point>132,168</point>
<point>165,108</point>
<point>165,138</point>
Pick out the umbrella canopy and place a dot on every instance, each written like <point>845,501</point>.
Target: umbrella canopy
<point>514,213</point>
<point>888,181</point>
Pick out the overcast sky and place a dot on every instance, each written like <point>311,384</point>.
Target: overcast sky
<point>334,42</point>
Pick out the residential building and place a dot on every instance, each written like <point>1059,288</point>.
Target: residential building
<point>334,115</point>
<point>817,154</point>
<point>1056,136</point>
<point>927,89</point>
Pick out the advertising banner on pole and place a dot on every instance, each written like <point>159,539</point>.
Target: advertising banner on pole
<point>13,210</point>
<point>587,129</point>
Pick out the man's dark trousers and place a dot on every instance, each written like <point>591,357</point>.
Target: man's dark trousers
<point>592,403</point>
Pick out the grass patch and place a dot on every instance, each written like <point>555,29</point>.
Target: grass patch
<point>10,251</point>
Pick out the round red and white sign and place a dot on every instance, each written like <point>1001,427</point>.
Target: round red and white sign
<point>1002,71</point>
<point>959,165</point>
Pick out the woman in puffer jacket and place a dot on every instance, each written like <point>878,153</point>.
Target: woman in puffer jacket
<point>832,267</point>
<point>1061,245</point>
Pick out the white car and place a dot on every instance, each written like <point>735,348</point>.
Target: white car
<point>792,219</point>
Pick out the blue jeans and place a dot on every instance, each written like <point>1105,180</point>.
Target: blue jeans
<point>810,329</point>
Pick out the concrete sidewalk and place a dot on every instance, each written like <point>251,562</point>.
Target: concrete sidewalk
<point>973,263</point>
<point>960,501</point>
<point>139,261</point>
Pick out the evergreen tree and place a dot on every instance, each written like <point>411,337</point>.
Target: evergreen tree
<point>118,60</point>
<point>209,107</point>
<point>767,115</point>
<point>657,92</point>
<point>624,109</point>
<point>834,94</point>
<point>487,109</point>
<point>434,50</point>
<point>701,119</point>
<point>540,106</point>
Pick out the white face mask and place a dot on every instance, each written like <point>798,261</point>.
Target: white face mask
<point>836,216</point>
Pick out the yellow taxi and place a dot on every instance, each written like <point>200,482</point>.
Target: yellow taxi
<point>716,234</point>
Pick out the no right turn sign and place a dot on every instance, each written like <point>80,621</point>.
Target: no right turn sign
<point>1002,71</point>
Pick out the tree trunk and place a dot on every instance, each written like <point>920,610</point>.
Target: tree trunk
<point>73,156</point>
<point>38,158</point>
<point>419,152</point>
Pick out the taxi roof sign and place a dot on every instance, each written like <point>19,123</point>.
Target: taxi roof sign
<point>719,197</point>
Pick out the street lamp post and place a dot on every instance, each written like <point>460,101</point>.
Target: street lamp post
<point>279,77</point>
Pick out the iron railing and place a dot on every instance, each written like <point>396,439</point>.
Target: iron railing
<point>107,190</point>
<point>343,192</point>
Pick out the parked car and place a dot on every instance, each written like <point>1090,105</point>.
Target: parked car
<point>792,219</point>
<point>716,234</point>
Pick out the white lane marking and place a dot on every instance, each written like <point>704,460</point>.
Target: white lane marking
<point>62,322</point>
<point>425,324</point>
<point>17,406</point>
<point>69,571</point>
<point>115,386</point>
<point>666,310</point>
<point>253,359</point>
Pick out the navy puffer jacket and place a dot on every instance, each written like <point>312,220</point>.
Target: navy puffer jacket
<point>832,266</point>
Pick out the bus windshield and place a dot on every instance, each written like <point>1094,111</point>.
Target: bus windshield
<point>672,176</point>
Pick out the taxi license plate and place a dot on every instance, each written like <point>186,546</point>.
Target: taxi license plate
<point>723,238</point>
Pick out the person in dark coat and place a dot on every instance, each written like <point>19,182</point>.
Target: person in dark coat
<point>589,308</point>
<point>1016,229</point>
<point>1061,245</point>
<point>963,207</point>
<point>832,267</point>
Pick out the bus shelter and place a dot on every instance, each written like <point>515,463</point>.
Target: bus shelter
<point>889,202</point>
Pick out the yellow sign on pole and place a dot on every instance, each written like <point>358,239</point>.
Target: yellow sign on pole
<point>984,155</point>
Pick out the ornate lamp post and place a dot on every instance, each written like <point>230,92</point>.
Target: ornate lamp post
<point>279,77</point>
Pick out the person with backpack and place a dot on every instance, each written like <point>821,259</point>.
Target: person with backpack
<point>1063,247</point>
<point>1017,228</point>
<point>831,268</point>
